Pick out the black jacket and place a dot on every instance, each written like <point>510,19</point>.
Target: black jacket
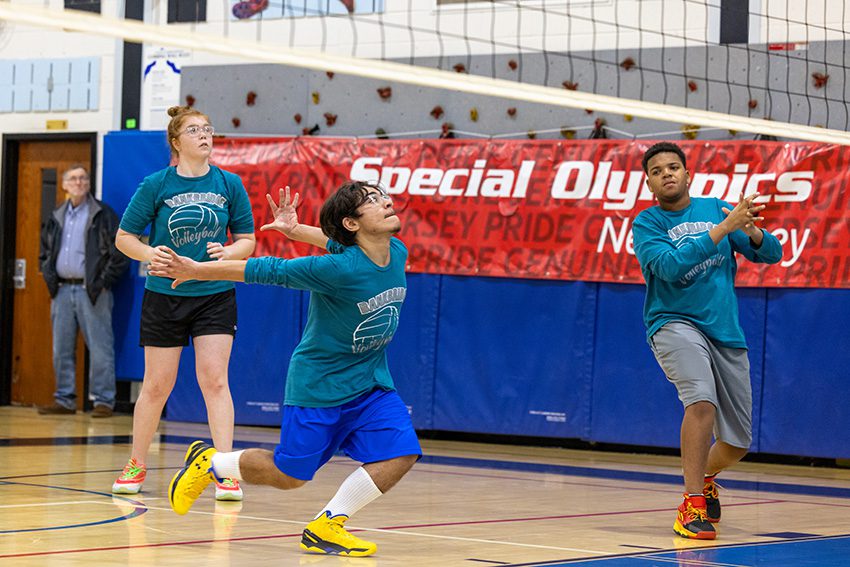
<point>104,263</point>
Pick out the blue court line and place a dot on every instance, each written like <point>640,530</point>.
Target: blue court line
<point>81,440</point>
<point>572,470</point>
<point>635,476</point>
<point>138,510</point>
<point>563,470</point>
<point>589,472</point>
<point>827,551</point>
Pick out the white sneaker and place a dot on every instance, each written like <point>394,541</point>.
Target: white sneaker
<point>228,489</point>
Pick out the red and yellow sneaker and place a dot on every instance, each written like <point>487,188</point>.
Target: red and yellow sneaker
<point>712,500</point>
<point>131,479</point>
<point>691,521</point>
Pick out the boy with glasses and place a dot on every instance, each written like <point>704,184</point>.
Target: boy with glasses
<point>339,392</point>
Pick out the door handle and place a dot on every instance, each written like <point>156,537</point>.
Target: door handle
<point>20,277</point>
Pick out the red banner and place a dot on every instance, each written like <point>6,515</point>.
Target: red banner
<point>556,210</point>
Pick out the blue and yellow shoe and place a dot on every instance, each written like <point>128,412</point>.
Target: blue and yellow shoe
<point>712,499</point>
<point>193,478</point>
<point>328,535</point>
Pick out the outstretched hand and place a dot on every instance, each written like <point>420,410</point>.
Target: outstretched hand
<point>284,217</point>
<point>745,215</point>
<point>168,264</point>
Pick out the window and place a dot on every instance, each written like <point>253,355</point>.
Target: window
<point>84,5</point>
<point>241,10</point>
<point>187,11</point>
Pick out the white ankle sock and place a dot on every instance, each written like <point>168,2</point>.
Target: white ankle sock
<point>355,492</point>
<point>226,465</point>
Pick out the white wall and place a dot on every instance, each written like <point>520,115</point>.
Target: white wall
<point>25,42</point>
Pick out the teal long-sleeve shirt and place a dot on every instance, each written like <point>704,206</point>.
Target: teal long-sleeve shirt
<point>353,315</point>
<point>690,278</point>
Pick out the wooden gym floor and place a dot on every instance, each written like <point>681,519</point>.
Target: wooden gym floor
<point>464,504</point>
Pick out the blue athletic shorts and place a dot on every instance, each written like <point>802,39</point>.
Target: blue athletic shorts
<point>373,427</point>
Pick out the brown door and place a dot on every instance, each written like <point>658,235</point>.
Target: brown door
<point>40,162</point>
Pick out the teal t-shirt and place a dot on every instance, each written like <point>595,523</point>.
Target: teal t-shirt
<point>185,213</point>
<point>353,315</point>
<point>690,278</point>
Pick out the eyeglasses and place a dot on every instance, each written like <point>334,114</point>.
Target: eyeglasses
<point>77,178</point>
<point>195,131</point>
<point>376,198</point>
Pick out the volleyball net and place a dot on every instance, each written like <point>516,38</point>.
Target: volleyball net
<point>769,68</point>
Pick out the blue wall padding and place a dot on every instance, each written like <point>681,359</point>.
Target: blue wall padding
<point>631,400</point>
<point>752,306</point>
<point>413,352</point>
<point>514,356</point>
<point>521,357</point>
<point>628,381</point>
<point>806,397</point>
<point>269,326</point>
<point>128,157</point>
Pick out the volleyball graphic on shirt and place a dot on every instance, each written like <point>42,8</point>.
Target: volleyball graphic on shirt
<point>376,331</point>
<point>192,224</point>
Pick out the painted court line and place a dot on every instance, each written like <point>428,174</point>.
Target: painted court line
<point>70,503</point>
<point>488,541</point>
<point>678,555</point>
<point>400,530</point>
<point>45,504</point>
<point>143,546</point>
<point>689,562</point>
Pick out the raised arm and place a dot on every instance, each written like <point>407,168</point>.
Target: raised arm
<point>657,253</point>
<point>742,217</point>
<point>167,264</point>
<point>285,221</point>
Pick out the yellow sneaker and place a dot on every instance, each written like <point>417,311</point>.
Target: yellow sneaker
<point>328,535</point>
<point>193,478</point>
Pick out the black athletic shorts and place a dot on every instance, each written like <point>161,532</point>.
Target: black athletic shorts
<point>169,320</point>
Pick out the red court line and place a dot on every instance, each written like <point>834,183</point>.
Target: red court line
<point>813,503</point>
<point>562,517</point>
<point>147,545</point>
<point>390,528</point>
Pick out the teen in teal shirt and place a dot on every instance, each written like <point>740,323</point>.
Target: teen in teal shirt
<point>686,248</point>
<point>339,393</point>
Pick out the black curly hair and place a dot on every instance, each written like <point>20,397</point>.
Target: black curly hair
<point>660,148</point>
<point>344,203</point>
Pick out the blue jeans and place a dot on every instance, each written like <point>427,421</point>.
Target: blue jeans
<point>72,309</point>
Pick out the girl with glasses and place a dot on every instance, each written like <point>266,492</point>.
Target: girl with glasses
<point>190,207</point>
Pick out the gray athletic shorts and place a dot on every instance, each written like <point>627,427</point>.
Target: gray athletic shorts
<point>705,372</point>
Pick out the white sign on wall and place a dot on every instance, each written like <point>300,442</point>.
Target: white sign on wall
<point>161,68</point>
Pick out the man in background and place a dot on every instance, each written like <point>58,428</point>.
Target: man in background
<point>80,263</point>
